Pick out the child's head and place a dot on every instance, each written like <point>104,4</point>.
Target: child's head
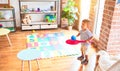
<point>85,24</point>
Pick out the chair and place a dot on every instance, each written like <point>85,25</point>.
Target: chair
<point>102,61</point>
<point>106,62</point>
<point>4,31</point>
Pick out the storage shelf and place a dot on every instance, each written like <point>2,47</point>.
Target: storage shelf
<point>6,8</point>
<point>4,20</point>
<point>38,0</point>
<point>39,23</point>
<point>38,12</point>
<point>45,14</point>
<point>8,22</point>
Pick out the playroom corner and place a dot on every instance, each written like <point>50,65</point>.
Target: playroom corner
<point>35,35</point>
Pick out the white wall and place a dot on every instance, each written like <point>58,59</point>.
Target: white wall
<point>15,4</point>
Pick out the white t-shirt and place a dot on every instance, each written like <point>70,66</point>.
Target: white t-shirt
<point>84,35</point>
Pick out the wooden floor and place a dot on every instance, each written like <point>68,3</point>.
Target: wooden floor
<point>10,62</point>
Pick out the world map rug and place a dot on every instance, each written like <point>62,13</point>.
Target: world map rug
<point>51,45</point>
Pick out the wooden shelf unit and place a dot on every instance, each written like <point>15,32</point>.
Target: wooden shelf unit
<point>41,24</point>
<point>11,20</point>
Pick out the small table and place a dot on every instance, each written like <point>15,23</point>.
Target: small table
<point>4,31</point>
<point>28,55</point>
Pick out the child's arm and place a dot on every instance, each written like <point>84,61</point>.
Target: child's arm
<point>90,39</point>
<point>97,62</point>
<point>78,34</point>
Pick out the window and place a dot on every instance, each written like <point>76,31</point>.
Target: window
<point>85,9</point>
<point>98,18</point>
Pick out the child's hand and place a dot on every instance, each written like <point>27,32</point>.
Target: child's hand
<point>87,41</point>
<point>76,36</point>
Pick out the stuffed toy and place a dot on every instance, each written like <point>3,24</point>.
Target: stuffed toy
<point>26,19</point>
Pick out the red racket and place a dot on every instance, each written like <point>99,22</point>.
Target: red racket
<point>73,42</point>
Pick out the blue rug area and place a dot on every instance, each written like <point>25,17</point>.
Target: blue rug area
<point>51,45</point>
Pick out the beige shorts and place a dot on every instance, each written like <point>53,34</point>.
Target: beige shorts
<point>84,49</point>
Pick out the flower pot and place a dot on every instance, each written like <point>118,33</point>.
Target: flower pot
<point>69,28</point>
<point>64,22</point>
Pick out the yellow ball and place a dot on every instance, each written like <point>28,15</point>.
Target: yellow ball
<point>33,31</point>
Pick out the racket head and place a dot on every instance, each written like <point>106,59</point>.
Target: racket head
<point>74,42</point>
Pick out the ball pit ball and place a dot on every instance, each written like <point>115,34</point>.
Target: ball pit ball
<point>73,37</point>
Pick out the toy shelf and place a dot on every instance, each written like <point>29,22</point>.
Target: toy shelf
<point>39,12</point>
<point>39,23</point>
<point>38,0</point>
<point>7,19</point>
<point>47,17</point>
<point>6,8</point>
<point>4,20</point>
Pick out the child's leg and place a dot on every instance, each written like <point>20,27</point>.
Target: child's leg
<point>86,52</point>
<point>86,56</point>
<point>82,55</point>
<point>82,48</point>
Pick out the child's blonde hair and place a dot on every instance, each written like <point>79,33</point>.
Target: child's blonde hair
<point>87,22</point>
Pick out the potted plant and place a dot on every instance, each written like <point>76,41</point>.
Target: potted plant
<point>69,12</point>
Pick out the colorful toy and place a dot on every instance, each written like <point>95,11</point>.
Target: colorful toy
<point>73,37</point>
<point>33,31</point>
<point>50,18</point>
<point>38,9</point>
<point>25,9</point>
<point>51,8</point>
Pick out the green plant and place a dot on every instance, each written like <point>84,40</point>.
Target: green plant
<point>70,12</point>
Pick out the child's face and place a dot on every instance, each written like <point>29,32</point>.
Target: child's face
<point>84,26</point>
